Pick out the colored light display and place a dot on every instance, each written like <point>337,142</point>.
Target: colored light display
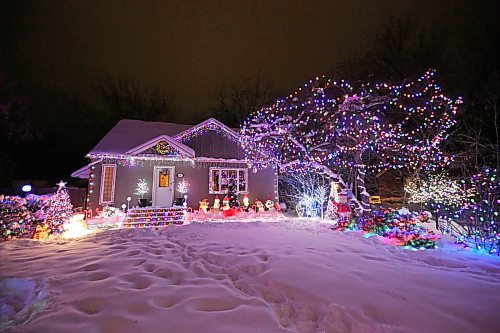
<point>329,126</point>
<point>208,125</point>
<point>475,224</point>
<point>401,229</point>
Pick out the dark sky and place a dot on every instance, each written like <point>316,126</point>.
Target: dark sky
<point>189,47</point>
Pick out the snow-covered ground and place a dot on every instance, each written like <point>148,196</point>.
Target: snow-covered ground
<point>252,277</point>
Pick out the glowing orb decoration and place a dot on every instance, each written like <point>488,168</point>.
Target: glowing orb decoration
<point>75,227</point>
<point>26,188</point>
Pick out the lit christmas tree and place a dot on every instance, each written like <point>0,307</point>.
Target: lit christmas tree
<point>58,209</point>
<point>231,194</point>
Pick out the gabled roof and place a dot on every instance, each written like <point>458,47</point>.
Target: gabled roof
<point>183,150</point>
<point>210,123</point>
<point>128,134</point>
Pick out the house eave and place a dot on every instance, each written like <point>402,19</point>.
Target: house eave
<point>137,157</point>
<point>84,172</point>
<point>211,121</point>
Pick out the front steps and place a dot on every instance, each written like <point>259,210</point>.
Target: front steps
<point>154,217</point>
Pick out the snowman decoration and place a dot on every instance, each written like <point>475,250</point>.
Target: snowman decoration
<point>216,205</point>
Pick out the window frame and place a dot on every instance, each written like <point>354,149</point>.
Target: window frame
<point>113,184</point>
<point>220,191</point>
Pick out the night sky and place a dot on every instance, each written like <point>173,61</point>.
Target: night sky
<point>187,48</point>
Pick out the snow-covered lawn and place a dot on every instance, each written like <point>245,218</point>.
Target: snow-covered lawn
<point>253,277</point>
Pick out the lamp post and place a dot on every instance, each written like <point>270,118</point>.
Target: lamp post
<point>128,203</point>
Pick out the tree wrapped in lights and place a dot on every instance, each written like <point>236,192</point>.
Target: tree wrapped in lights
<point>307,192</point>
<point>439,193</point>
<point>183,188</point>
<point>142,188</point>
<point>331,127</point>
<point>476,223</point>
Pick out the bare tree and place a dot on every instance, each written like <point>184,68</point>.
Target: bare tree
<point>397,49</point>
<point>127,99</point>
<point>15,126</point>
<point>236,99</point>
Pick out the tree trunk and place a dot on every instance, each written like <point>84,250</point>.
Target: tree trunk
<point>360,182</point>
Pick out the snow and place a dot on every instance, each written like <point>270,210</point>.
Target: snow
<point>127,134</point>
<point>293,276</point>
<point>19,300</point>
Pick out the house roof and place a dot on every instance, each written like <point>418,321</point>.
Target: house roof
<point>84,172</point>
<point>128,134</point>
<point>180,148</point>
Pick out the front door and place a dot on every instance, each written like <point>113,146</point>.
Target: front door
<point>163,187</point>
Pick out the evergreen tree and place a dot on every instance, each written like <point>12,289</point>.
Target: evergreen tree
<point>59,209</point>
<point>231,194</point>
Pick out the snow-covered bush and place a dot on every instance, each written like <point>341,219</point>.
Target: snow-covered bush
<point>20,216</point>
<point>15,218</point>
<point>402,228</point>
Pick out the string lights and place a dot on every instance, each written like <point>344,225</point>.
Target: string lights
<point>331,126</point>
<point>475,223</point>
<point>208,125</point>
<point>395,227</point>
<point>439,190</point>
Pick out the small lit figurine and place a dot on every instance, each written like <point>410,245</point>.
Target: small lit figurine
<point>216,205</point>
<point>204,205</point>
<point>225,203</point>
<point>259,206</point>
<point>269,204</point>
<point>342,206</point>
<point>41,232</point>
<point>246,202</point>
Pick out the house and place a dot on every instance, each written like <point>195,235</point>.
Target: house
<point>206,156</point>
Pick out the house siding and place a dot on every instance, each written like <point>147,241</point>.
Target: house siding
<point>260,184</point>
<point>214,145</point>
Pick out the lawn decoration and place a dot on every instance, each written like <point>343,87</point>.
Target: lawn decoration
<point>216,205</point>
<point>400,228</point>
<point>41,232</point>
<point>246,202</point>
<point>259,206</point>
<point>142,189</point>
<point>204,206</point>
<point>269,204</point>
<point>76,227</point>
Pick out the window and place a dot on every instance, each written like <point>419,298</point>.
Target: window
<point>219,180</point>
<point>164,178</point>
<point>108,175</point>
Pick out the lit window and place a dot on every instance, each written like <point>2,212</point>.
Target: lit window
<point>108,175</point>
<point>219,180</point>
